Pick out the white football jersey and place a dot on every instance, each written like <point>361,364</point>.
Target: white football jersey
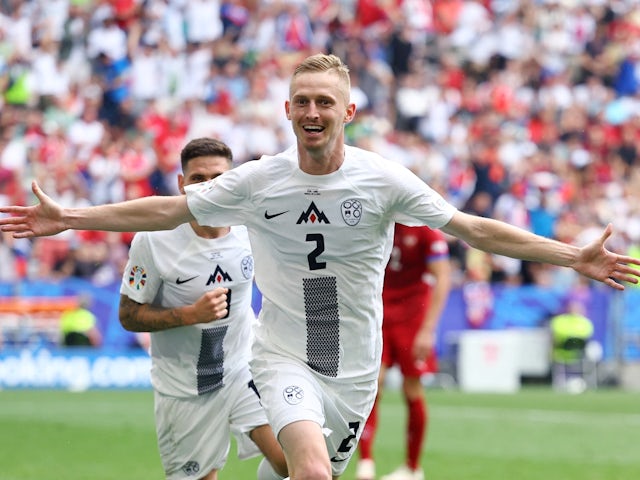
<point>321,243</point>
<point>174,268</point>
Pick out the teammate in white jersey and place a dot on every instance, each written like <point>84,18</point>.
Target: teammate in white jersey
<point>191,287</point>
<point>320,218</point>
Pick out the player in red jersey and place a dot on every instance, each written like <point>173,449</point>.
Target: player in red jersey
<point>416,287</point>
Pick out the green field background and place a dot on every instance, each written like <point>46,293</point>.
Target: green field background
<point>536,434</point>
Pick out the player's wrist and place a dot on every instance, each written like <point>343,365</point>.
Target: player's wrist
<point>181,316</point>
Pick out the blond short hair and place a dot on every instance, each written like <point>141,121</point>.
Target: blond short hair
<point>322,62</point>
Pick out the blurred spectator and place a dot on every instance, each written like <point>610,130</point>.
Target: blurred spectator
<point>570,332</point>
<point>202,21</point>
<point>85,134</point>
<point>146,64</point>
<point>105,181</point>
<point>112,78</point>
<point>50,78</point>
<point>137,163</point>
<point>235,15</point>
<point>293,27</point>
<point>477,294</point>
<point>106,39</point>
<point>79,326</point>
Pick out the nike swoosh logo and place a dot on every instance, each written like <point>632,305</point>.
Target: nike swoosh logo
<point>269,217</point>
<point>180,282</point>
<point>338,460</point>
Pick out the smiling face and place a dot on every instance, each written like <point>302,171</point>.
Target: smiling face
<point>318,109</point>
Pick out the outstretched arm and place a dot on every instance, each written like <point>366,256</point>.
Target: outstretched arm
<point>48,218</point>
<point>593,260</point>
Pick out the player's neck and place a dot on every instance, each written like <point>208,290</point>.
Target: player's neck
<point>320,162</point>
<point>209,232</point>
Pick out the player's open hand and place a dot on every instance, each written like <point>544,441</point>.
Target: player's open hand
<point>598,263</point>
<point>42,219</point>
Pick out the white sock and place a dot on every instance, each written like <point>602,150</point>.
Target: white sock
<point>266,471</point>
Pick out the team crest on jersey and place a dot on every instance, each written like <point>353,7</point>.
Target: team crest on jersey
<point>191,468</point>
<point>313,215</point>
<point>219,276</point>
<point>247,267</point>
<point>351,211</point>
<point>137,277</point>
<point>293,394</point>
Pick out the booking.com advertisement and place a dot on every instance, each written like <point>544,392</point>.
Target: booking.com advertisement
<point>75,369</point>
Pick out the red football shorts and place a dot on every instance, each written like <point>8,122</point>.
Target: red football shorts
<point>401,322</point>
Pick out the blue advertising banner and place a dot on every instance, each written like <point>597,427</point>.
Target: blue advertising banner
<point>75,369</point>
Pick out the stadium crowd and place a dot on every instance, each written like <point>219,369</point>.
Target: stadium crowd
<point>527,111</point>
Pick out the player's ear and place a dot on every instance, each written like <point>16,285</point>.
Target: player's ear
<point>350,112</point>
<point>181,183</point>
<point>287,106</point>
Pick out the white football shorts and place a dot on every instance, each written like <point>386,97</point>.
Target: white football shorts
<point>194,433</point>
<point>291,392</point>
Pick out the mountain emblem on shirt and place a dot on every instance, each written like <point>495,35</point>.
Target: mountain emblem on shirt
<point>219,276</point>
<point>313,215</point>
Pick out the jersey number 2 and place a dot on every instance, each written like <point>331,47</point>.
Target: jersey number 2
<point>314,264</point>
